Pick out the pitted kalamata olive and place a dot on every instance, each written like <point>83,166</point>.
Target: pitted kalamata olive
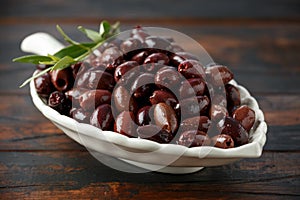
<point>102,117</point>
<point>43,85</point>
<point>144,116</point>
<point>131,67</point>
<point>159,58</point>
<point>62,79</point>
<point>165,117</point>
<point>154,133</point>
<point>175,60</point>
<point>143,85</point>
<point>219,99</point>
<point>125,125</point>
<point>156,42</point>
<point>93,98</point>
<point>218,75</point>
<point>80,115</point>
<point>233,128</point>
<point>130,44</point>
<point>194,106</point>
<point>122,99</point>
<point>100,80</point>
<point>58,101</point>
<point>233,97</point>
<point>168,77</point>
<point>200,123</point>
<point>192,87</point>
<point>110,55</point>
<point>222,141</point>
<point>140,57</point>
<point>74,94</point>
<point>75,68</point>
<point>162,96</point>
<point>217,112</point>
<point>191,69</point>
<point>246,116</point>
<point>193,138</point>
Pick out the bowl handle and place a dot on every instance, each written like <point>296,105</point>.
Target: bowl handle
<point>41,43</point>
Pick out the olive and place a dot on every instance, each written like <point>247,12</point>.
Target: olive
<point>154,133</point>
<point>125,125</point>
<point>165,117</point>
<point>222,141</point>
<point>193,138</point>
<point>246,116</point>
<point>191,69</point>
<point>102,117</point>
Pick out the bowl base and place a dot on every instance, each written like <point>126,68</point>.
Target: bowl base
<point>164,169</point>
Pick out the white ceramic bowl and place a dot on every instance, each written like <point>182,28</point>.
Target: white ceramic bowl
<point>168,158</point>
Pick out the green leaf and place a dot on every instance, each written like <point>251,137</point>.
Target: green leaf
<point>66,37</point>
<point>74,51</point>
<point>93,35</point>
<point>34,59</point>
<point>104,29</point>
<point>63,63</point>
<point>35,76</point>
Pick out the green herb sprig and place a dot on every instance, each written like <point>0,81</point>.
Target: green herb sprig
<point>73,53</point>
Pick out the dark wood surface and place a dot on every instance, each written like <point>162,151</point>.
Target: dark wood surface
<point>258,40</point>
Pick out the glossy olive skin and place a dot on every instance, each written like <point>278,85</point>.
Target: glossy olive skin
<point>218,112</point>
<point>162,96</point>
<point>246,116</point>
<point>218,75</point>
<point>191,69</point>
<point>144,116</point>
<point>159,58</point>
<point>143,85</point>
<point>233,97</point>
<point>126,71</point>
<point>233,128</point>
<point>122,100</point>
<point>154,133</point>
<point>156,42</point>
<point>222,141</point>
<point>43,85</point>
<point>140,57</point>
<point>200,123</point>
<point>62,79</point>
<point>193,138</point>
<point>125,125</point>
<point>130,44</point>
<point>168,77</point>
<point>91,99</point>
<point>58,101</point>
<point>80,115</point>
<point>194,106</point>
<point>165,117</point>
<point>102,117</point>
<point>192,87</point>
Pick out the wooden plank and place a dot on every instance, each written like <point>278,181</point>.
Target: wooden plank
<point>153,9</point>
<point>77,173</point>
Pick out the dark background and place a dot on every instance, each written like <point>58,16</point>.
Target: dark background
<point>258,40</point>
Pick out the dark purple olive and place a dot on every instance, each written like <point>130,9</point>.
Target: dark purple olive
<point>217,112</point>
<point>58,101</point>
<point>192,87</point>
<point>191,69</point>
<point>222,141</point>
<point>144,116</point>
<point>246,116</point>
<point>80,115</point>
<point>110,55</point>
<point>168,77</point>
<point>123,100</point>
<point>143,85</point>
<point>43,85</point>
<point>102,117</point>
<point>218,75</point>
<point>194,106</point>
<point>140,57</point>
<point>233,97</point>
<point>75,68</point>
<point>159,58</point>
<point>139,33</point>
<point>125,125</point>
<point>165,117</point>
<point>130,44</point>
<point>154,133</point>
<point>126,71</point>
<point>156,42</point>
<point>200,123</point>
<point>62,79</point>
<point>162,96</point>
<point>193,138</point>
<point>233,128</point>
<point>74,94</point>
<point>93,98</point>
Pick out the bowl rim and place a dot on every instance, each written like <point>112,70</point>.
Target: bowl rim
<point>251,150</point>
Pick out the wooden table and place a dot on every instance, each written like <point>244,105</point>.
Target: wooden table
<point>258,40</point>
